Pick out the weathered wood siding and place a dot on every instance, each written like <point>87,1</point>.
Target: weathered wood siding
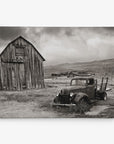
<point>21,66</point>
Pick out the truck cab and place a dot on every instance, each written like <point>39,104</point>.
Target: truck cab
<point>85,85</point>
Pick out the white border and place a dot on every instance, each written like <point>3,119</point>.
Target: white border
<point>54,131</point>
<point>56,13</point>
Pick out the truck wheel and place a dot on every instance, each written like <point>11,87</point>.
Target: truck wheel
<point>105,96</point>
<point>56,100</point>
<point>83,105</point>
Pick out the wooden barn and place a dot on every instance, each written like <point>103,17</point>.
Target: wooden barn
<point>21,66</point>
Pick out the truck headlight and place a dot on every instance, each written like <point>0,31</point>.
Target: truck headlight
<point>71,94</point>
<point>57,94</point>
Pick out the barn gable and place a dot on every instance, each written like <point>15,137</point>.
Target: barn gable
<point>21,41</point>
<point>21,66</point>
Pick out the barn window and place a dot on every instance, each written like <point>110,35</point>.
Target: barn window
<point>19,51</point>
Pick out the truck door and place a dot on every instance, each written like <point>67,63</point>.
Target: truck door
<point>90,88</point>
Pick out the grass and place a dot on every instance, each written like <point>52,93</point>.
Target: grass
<point>37,103</point>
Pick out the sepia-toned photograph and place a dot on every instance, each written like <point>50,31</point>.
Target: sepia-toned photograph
<point>56,72</point>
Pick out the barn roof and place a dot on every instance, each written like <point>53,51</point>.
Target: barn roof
<point>27,42</point>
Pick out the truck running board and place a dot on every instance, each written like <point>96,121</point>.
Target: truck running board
<point>63,105</point>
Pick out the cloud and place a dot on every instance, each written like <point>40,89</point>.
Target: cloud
<point>51,30</point>
<point>65,44</point>
<point>83,44</point>
<point>7,33</point>
<point>57,31</point>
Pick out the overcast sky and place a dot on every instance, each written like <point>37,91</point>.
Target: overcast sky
<point>65,44</point>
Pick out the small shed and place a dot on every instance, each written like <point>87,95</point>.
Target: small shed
<point>21,66</point>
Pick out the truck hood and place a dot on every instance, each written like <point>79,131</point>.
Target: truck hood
<point>73,89</point>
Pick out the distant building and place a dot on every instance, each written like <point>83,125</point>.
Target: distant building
<point>21,66</point>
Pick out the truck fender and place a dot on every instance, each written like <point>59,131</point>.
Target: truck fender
<point>79,96</point>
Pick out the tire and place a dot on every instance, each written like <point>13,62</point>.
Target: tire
<point>101,96</point>
<point>105,96</point>
<point>56,100</point>
<point>83,105</point>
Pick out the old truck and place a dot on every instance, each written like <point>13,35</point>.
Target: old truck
<point>81,92</point>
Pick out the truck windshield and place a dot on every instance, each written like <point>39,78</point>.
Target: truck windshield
<point>78,82</point>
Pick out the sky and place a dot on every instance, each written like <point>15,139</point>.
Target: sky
<point>65,44</point>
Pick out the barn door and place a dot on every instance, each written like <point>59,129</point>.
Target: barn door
<point>18,76</point>
<point>13,79</point>
<point>22,75</point>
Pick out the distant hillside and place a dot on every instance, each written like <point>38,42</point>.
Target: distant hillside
<point>102,67</point>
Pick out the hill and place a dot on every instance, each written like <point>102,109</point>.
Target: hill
<point>102,67</point>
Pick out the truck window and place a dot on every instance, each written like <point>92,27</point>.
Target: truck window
<point>81,82</point>
<point>90,81</point>
<point>78,82</point>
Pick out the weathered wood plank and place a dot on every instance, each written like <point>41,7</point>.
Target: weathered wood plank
<point>14,75</point>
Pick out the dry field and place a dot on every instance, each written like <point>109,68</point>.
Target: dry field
<point>37,103</point>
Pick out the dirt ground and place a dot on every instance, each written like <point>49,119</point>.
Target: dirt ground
<point>37,103</point>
